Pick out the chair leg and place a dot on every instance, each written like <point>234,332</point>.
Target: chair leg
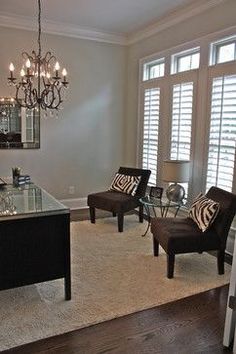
<point>92,214</point>
<point>170,265</point>
<point>155,247</point>
<point>141,213</point>
<point>120,222</point>
<point>113,214</point>
<point>221,261</point>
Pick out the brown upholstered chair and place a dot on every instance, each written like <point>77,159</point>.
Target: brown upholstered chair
<point>120,203</point>
<point>181,235</point>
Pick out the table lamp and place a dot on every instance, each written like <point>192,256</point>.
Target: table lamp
<point>175,171</point>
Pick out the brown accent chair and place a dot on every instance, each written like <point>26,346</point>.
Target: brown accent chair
<point>120,203</point>
<point>182,235</point>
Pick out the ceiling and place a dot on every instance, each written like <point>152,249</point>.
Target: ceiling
<point>112,16</point>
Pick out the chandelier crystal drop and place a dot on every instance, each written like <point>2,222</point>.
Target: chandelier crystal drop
<point>41,84</point>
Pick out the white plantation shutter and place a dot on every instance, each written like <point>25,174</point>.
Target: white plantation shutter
<point>182,109</point>
<point>222,137</point>
<point>181,130</point>
<point>150,132</point>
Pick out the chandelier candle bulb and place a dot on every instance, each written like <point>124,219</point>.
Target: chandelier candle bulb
<point>28,65</point>
<point>11,68</point>
<point>64,74</point>
<point>57,68</point>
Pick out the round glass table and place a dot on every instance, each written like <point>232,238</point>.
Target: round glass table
<point>150,203</point>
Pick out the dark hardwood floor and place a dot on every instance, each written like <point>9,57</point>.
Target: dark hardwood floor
<point>187,326</point>
<point>191,325</point>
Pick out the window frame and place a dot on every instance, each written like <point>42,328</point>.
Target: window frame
<point>147,66</point>
<point>185,53</point>
<point>201,121</point>
<point>214,50</point>
<point>214,72</point>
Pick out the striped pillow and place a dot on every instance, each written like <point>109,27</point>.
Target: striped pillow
<point>204,211</point>
<point>125,184</point>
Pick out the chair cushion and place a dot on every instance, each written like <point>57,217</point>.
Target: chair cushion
<point>182,235</point>
<point>204,211</point>
<point>113,201</point>
<point>125,183</point>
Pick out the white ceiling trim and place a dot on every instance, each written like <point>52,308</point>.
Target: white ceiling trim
<point>64,29</point>
<point>172,19</point>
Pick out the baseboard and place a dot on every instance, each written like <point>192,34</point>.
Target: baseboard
<point>75,203</point>
<point>228,258</point>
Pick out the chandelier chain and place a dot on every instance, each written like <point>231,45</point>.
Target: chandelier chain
<point>39,23</point>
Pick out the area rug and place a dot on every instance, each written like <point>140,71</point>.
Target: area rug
<point>113,274</point>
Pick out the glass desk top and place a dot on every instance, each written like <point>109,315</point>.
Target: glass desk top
<point>27,200</point>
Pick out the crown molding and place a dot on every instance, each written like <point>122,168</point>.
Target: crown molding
<point>68,30</point>
<point>173,19</point>
<point>75,203</point>
<point>62,29</point>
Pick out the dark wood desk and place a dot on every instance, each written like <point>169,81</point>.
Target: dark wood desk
<point>34,238</point>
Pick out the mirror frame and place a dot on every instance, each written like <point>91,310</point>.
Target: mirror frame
<point>10,138</point>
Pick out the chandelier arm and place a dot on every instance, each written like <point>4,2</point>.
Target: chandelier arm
<point>55,93</point>
<point>18,100</point>
<point>28,95</point>
<point>23,102</point>
<point>25,55</point>
<point>58,90</point>
<point>31,95</point>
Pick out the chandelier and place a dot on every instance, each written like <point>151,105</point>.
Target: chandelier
<point>40,84</point>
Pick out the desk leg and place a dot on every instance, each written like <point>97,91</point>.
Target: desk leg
<point>67,261</point>
<point>67,288</point>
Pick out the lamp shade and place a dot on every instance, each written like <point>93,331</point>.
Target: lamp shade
<point>175,171</point>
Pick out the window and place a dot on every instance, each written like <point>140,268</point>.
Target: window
<point>196,120</point>
<point>222,137</point>
<point>29,125</point>
<point>184,61</point>
<point>226,53</point>
<point>154,69</point>
<point>182,105</point>
<point>150,132</point>
<point>223,51</point>
<point>181,129</point>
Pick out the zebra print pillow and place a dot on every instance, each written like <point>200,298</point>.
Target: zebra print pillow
<point>125,184</point>
<point>204,211</point>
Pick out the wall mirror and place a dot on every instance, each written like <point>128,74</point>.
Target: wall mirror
<point>19,127</point>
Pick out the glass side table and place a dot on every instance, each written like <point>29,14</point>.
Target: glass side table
<point>150,203</point>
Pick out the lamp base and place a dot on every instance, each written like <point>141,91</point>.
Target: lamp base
<point>175,193</point>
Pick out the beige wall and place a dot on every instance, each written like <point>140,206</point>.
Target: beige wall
<point>215,19</point>
<point>86,145</point>
<point>97,130</point>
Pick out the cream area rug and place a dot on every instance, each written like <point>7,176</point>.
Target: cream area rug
<point>113,274</point>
